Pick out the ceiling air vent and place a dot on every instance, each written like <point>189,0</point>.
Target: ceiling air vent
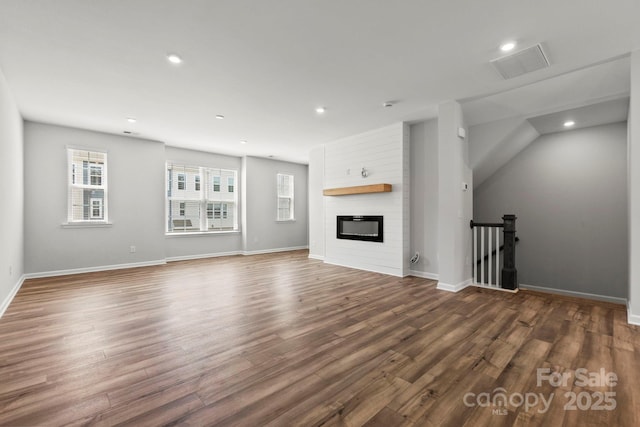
<point>522,62</point>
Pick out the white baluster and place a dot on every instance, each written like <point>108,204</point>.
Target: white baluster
<point>490,259</point>
<point>482,255</point>
<point>497,257</point>
<point>475,254</point>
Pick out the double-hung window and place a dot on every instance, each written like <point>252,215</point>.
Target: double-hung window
<point>87,186</point>
<point>205,206</point>
<point>285,197</point>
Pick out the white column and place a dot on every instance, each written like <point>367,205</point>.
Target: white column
<point>454,204</point>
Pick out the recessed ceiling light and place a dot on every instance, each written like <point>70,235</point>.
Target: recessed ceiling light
<point>320,110</point>
<point>174,59</point>
<point>508,46</point>
<point>243,142</point>
<point>219,117</point>
<point>569,123</point>
<point>131,119</point>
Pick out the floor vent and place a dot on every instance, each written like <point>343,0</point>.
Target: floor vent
<point>522,62</point>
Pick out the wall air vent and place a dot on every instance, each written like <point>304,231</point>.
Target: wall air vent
<point>522,62</point>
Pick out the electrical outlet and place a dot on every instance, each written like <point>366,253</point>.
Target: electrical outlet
<point>132,249</point>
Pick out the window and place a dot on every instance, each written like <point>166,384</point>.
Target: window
<point>230,185</point>
<point>285,197</point>
<point>208,207</point>
<point>87,191</point>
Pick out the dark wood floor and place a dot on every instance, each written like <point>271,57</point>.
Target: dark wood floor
<point>278,340</point>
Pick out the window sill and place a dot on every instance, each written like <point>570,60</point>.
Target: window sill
<point>86,224</point>
<point>201,233</point>
<point>279,221</point>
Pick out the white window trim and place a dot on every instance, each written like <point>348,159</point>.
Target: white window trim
<point>293,199</point>
<point>203,201</point>
<point>97,223</point>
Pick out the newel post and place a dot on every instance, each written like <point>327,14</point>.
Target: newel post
<point>509,272</point>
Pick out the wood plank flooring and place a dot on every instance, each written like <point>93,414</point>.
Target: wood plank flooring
<point>279,340</point>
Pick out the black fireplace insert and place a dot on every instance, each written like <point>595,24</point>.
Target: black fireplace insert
<point>360,227</point>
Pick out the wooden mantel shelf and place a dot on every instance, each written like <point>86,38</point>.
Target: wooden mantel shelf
<point>360,189</point>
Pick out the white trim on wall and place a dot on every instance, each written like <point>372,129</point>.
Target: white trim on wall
<point>202,256</point>
<point>12,294</point>
<point>93,269</point>
<point>374,269</point>
<point>269,251</point>
<point>632,319</point>
<point>318,257</point>
<point>454,288</point>
<point>576,294</point>
<point>423,274</point>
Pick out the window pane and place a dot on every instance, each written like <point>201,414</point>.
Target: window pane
<point>285,197</point>
<point>184,215</point>
<point>212,191</point>
<point>87,186</point>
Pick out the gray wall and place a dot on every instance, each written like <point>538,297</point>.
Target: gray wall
<point>207,244</point>
<point>136,201</point>
<point>569,191</point>
<point>11,194</point>
<point>261,230</point>
<point>424,196</point>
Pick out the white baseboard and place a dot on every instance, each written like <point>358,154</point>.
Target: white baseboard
<point>576,294</point>
<point>495,288</point>
<point>270,251</point>
<point>372,268</point>
<point>454,288</point>
<point>12,294</point>
<point>632,319</point>
<point>318,257</point>
<point>423,274</point>
<point>93,269</point>
<point>202,256</point>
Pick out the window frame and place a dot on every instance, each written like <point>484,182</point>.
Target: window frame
<point>290,197</point>
<point>74,182</point>
<point>203,203</point>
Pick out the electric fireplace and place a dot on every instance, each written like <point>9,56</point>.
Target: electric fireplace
<point>360,227</point>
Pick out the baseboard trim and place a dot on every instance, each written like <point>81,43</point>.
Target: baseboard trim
<point>614,300</point>
<point>373,269</point>
<point>632,319</point>
<point>11,296</point>
<point>203,256</point>
<point>94,269</point>
<point>318,257</point>
<point>495,288</point>
<point>454,288</point>
<point>423,274</point>
<point>270,251</point>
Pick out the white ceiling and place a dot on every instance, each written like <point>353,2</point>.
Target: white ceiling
<point>265,65</point>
